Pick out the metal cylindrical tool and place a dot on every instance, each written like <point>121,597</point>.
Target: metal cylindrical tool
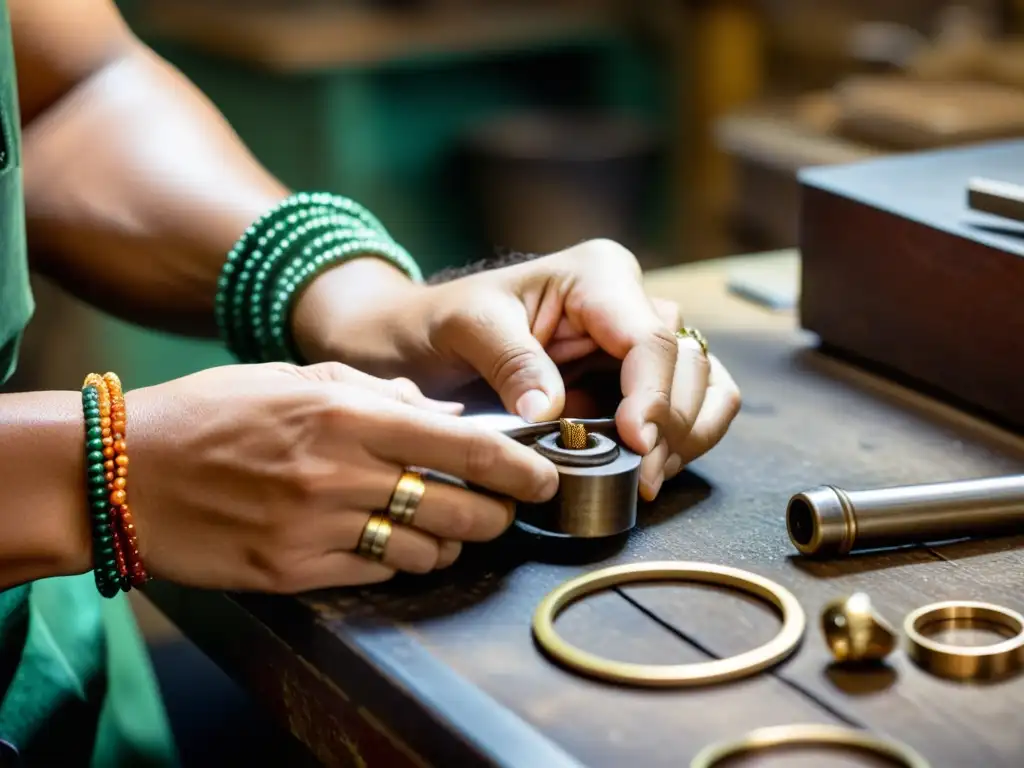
<point>829,521</point>
<point>598,481</point>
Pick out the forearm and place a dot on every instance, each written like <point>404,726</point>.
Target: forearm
<point>44,525</point>
<point>136,188</point>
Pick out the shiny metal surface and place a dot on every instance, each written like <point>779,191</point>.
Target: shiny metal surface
<point>597,489</point>
<point>808,735</point>
<point>829,521</point>
<point>735,667</point>
<point>598,485</point>
<point>855,632</point>
<point>975,662</point>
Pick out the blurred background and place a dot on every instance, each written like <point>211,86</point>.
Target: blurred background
<point>470,126</point>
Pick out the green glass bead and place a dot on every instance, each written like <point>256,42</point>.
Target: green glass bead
<point>93,433</point>
<point>94,445</point>
<point>95,457</point>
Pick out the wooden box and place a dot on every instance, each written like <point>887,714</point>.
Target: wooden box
<point>899,272</point>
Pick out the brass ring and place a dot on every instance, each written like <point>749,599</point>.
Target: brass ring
<point>374,539</point>
<point>406,497</point>
<point>693,333</point>
<point>808,735</point>
<point>677,675</point>
<point>958,662</point>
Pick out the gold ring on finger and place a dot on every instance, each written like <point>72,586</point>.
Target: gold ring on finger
<point>374,539</point>
<point>406,497</point>
<point>693,333</point>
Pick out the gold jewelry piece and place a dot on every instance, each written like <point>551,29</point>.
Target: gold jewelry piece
<point>574,434</point>
<point>406,497</point>
<point>374,539</point>
<point>809,735</point>
<point>693,333</point>
<point>854,631</point>
<point>678,675</point>
<point>963,662</point>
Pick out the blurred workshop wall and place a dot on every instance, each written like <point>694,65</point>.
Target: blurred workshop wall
<point>846,80</point>
<point>467,126</point>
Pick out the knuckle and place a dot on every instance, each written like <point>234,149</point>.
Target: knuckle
<point>612,252</point>
<point>483,456</point>
<point>461,521</point>
<point>405,388</point>
<point>665,341</point>
<point>513,362</point>
<point>312,480</point>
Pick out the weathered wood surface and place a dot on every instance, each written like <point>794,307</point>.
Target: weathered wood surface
<point>443,671</point>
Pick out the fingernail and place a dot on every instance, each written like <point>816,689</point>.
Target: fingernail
<point>649,434</point>
<point>533,405</point>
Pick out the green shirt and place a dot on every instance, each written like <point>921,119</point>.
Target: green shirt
<point>76,687</point>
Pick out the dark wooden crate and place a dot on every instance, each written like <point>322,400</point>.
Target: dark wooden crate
<point>899,272</point>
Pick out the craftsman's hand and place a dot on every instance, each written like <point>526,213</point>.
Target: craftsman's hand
<point>519,326</point>
<point>263,477</point>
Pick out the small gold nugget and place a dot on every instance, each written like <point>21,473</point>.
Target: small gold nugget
<point>574,436</point>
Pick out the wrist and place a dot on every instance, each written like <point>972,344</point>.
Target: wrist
<point>46,532</point>
<point>360,313</point>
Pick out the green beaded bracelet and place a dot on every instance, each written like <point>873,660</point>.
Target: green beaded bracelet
<point>313,238</point>
<point>236,306</point>
<point>108,580</point>
<point>239,257</point>
<point>298,239</point>
<point>272,253</point>
<point>302,271</point>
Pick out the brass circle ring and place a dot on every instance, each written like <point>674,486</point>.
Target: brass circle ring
<point>406,497</point>
<point>374,539</point>
<point>959,662</point>
<point>808,735</point>
<point>676,675</point>
<point>697,336</point>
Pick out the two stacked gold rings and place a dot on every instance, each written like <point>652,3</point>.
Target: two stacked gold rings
<point>401,510</point>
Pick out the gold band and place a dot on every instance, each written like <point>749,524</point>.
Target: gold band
<point>679,675</point>
<point>406,497</point>
<point>693,333</point>
<point>374,539</point>
<point>809,735</point>
<point>961,662</point>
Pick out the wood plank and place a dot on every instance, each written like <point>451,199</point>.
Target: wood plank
<point>446,664</point>
<point>329,37</point>
<point>602,725</point>
<point>849,435</point>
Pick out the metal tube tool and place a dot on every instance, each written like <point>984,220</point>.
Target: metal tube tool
<point>829,521</point>
<point>599,478</point>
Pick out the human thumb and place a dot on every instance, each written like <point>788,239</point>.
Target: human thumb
<point>498,343</point>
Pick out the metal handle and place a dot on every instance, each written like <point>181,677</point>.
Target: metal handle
<point>831,521</point>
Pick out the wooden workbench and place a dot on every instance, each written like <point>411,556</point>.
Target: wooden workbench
<point>443,672</point>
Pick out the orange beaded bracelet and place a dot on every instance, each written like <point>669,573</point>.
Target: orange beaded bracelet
<point>113,426</point>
